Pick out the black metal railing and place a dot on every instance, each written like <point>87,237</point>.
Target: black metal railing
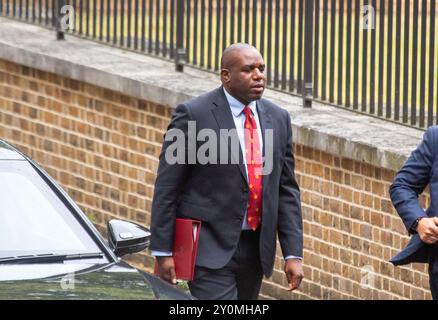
<point>373,56</point>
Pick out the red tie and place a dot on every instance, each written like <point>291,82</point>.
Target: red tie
<point>254,166</point>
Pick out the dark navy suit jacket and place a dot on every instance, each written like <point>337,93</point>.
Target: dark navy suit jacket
<point>217,194</point>
<point>419,170</point>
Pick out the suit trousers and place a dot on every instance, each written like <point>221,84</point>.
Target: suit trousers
<point>433,271</point>
<point>240,278</point>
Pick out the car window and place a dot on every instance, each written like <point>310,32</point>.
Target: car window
<point>33,220</point>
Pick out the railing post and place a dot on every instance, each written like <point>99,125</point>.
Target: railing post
<point>180,51</point>
<point>308,55</point>
<point>59,30</point>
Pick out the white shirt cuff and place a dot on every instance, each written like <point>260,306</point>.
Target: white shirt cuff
<point>292,257</point>
<point>161,253</point>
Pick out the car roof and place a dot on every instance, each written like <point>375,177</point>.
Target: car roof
<point>7,152</point>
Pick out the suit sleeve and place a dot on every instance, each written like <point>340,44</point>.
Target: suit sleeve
<point>290,224</point>
<point>170,179</point>
<point>412,178</point>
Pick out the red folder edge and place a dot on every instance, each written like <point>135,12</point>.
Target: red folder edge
<point>185,248</point>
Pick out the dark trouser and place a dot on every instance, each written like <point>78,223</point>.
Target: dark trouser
<point>240,278</point>
<point>433,273</point>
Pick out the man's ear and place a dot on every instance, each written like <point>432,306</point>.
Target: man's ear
<point>225,75</point>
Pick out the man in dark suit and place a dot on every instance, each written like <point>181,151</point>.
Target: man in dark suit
<point>242,203</point>
<point>419,170</point>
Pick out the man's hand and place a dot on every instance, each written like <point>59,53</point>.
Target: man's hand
<point>293,268</point>
<point>428,230</point>
<point>166,269</point>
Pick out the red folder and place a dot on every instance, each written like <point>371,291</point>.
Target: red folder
<point>185,246</point>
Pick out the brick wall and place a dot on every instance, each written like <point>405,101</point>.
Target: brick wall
<point>352,230</point>
<point>102,146</point>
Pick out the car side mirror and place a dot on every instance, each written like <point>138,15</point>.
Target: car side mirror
<point>127,237</point>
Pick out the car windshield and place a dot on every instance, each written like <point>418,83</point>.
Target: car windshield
<point>33,220</point>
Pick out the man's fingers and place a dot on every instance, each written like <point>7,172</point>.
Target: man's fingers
<point>164,274</point>
<point>433,230</point>
<point>289,276</point>
<point>166,268</point>
<point>290,281</point>
<point>429,238</point>
<point>292,286</point>
<point>172,275</point>
<point>294,273</point>
<point>294,281</point>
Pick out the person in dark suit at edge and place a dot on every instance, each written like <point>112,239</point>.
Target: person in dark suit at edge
<point>419,170</point>
<point>242,207</point>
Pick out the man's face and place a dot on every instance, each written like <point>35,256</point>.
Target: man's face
<point>245,77</point>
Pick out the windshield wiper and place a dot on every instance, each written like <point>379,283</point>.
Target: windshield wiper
<point>49,258</point>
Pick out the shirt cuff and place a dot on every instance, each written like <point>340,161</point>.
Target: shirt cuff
<point>161,253</point>
<point>293,257</point>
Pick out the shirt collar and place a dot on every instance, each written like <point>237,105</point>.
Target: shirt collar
<point>237,106</point>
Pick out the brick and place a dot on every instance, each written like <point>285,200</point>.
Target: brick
<point>356,197</point>
<point>346,208</point>
<point>326,173</point>
<point>366,200</point>
<point>387,238</point>
<point>306,183</point>
<point>376,219</point>
<point>396,287</point>
<point>317,170</point>
<point>307,152</point>
<point>355,243</point>
<point>367,185</point>
<point>326,159</point>
<point>347,164</point>
<point>377,188</point>
<point>388,175</point>
<point>336,176</point>
<point>308,168</point>
<point>336,237</point>
<point>347,179</point>
<point>398,226</point>
<point>316,200</point>
<point>367,170</point>
<point>357,167</point>
<point>357,182</point>
<point>335,206</point>
<point>356,213</point>
<point>366,231</point>
<point>417,294</point>
<point>335,190</point>
<point>316,231</point>
<point>315,291</point>
<point>387,206</point>
<point>346,225</point>
<point>346,194</point>
<point>326,219</point>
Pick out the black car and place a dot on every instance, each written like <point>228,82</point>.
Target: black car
<point>49,249</point>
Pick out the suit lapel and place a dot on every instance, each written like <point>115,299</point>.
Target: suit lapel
<point>224,119</point>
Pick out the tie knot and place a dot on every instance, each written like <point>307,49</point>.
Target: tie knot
<point>247,111</point>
